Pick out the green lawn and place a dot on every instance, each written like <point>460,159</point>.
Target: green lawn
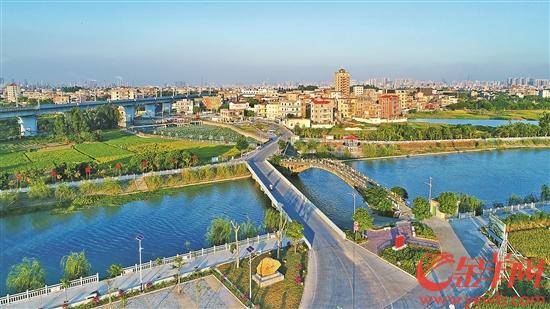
<point>284,294</point>
<point>102,152</point>
<point>46,158</point>
<point>464,114</point>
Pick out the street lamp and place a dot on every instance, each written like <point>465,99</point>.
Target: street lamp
<point>139,238</point>
<point>250,249</point>
<point>354,195</point>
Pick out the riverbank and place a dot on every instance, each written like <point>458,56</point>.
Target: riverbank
<point>114,193</point>
<point>443,153</point>
<point>481,114</point>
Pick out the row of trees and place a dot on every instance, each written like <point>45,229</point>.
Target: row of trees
<point>529,198</point>
<point>223,230</point>
<point>502,102</point>
<point>517,222</point>
<point>411,132</point>
<point>78,125</point>
<point>29,274</point>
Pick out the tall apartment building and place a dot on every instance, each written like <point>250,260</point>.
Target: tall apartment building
<point>123,94</point>
<point>389,106</point>
<point>321,112</point>
<point>342,82</point>
<point>12,92</point>
<point>358,90</point>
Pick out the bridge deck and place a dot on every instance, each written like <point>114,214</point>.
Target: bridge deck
<point>340,273</point>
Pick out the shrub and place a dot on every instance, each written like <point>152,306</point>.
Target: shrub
<point>64,195</point>
<point>110,187</point>
<point>87,188</point>
<point>153,182</point>
<point>421,208</point>
<point>39,191</point>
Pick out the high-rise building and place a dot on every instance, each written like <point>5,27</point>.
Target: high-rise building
<point>342,82</point>
<point>12,92</point>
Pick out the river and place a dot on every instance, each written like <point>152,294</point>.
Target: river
<point>475,122</point>
<point>492,176</point>
<point>107,234</point>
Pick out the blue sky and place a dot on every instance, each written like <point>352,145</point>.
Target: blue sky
<point>253,42</point>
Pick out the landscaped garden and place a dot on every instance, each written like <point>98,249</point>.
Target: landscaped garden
<point>283,294</point>
<point>532,243</point>
<point>409,257</point>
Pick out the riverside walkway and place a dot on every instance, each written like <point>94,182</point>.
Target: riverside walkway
<point>341,274</point>
<point>129,280</point>
<point>350,175</point>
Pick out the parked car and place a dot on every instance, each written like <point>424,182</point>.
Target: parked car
<point>92,295</point>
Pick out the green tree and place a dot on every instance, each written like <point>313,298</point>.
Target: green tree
<point>448,202</point>
<point>421,209</point>
<point>178,262</point>
<point>363,219</point>
<point>514,200</point>
<point>114,270</point>
<point>75,265</point>
<point>248,229</point>
<point>271,219</point>
<point>470,203</point>
<point>401,192</point>
<point>295,231</point>
<point>27,275</point>
<point>545,192</point>
<point>544,124</point>
<point>219,231</point>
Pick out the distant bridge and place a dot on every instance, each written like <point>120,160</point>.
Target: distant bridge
<point>348,174</point>
<point>27,115</point>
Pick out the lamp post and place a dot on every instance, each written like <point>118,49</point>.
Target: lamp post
<point>354,195</point>
<point>250,249</point>
<point>139,238</point>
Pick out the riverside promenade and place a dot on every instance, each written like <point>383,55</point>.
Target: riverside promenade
<point>130,280</point>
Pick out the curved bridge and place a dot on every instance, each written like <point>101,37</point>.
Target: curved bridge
<point>348,174</point>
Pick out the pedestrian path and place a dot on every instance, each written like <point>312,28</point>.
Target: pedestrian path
<point>131,280</point>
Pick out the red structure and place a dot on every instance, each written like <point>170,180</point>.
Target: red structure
<point>389,106</point>
<point>399,242</point>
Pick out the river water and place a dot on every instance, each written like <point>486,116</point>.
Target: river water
<point>107,234</point>
<point>492,176</point>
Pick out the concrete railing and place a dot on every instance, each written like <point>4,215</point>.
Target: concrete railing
<point>515,207</point>
<point>47,289</point>
<point>267,191</point>
<point>311,205</point>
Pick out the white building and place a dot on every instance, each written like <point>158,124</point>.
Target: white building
<point>184,106</point>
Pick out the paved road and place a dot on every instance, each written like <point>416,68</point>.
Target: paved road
<point>128,281</point>
<point>340,273</point>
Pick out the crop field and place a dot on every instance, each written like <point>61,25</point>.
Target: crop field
<point>202,132</point>
<point>102,152</point>
<point>532,243</point>
<point>115,146</point>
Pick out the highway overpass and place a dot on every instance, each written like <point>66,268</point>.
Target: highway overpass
<point>27,116</point>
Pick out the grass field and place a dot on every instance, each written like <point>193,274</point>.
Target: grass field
<point>482,114</point>
<point>532,243</point>
<point>115,146</point>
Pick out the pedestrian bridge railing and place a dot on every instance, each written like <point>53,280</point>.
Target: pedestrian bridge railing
<point>197,253</point>
<point>47,289</point>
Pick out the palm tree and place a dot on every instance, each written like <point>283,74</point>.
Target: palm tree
<point>27,275</point>
<point>295,231</point>
<point>114,270</point>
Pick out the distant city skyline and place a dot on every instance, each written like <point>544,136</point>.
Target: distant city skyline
<point>253,43</point>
